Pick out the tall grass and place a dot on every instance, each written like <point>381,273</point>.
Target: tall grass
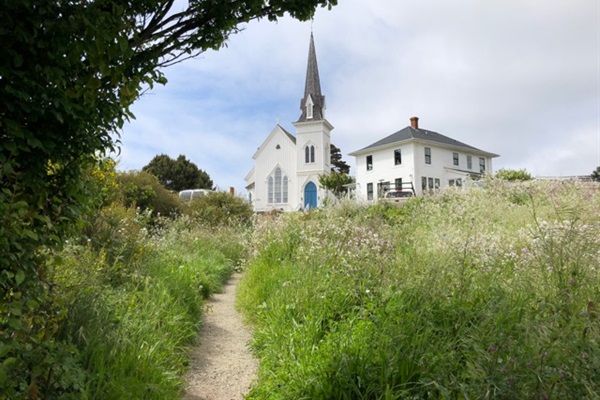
<point>134,301</point>
<point>489,293</point>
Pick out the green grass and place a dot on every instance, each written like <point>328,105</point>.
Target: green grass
<point>466,294</point>
<point>132,319</point>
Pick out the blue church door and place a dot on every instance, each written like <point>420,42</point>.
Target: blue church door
<point>310,195</point>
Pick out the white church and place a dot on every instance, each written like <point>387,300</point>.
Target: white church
<point>286,170</point>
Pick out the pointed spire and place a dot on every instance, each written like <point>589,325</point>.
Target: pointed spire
<point>313,103</point>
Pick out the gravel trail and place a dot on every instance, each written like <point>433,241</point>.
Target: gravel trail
<point>221,366</point>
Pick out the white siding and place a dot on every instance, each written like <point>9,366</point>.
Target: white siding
<point>413,167</point>
<point>267,159</point>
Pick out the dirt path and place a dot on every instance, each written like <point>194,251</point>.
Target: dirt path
<point>222,367</point>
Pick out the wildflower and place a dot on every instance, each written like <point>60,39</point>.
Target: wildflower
<point>544,395</point>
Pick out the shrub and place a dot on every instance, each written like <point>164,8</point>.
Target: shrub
<point>512,175</point>
<point>142,189</point>
<point>220,208</point>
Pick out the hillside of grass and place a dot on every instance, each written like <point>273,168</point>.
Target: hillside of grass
<point>483,293</point>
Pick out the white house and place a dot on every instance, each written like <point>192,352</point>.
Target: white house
<point>286,172</point>
<point>417,159</point>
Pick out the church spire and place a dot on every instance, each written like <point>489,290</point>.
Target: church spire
<point>313,103</point>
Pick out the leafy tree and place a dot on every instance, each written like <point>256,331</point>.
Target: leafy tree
<point>335,182</point>
<point>513,175</point>
<point>596,174</point>
<point>69,72</point>
<point>338,177</point>
<point>337,164</point>
<point>179,174</point>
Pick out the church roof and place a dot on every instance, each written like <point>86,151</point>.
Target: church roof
<point>289,135</point>
<point>312,87</point>
<point>420,134</point>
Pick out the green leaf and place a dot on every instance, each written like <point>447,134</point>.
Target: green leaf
<point>2,376</point>
<point>4,349</point>
<point>15,323</point>
<point>19,278</point>
<point>9,362</point>
<point>31,234</point>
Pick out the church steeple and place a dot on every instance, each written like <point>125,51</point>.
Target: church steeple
<point>313,103</point>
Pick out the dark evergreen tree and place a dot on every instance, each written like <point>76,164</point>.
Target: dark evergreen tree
<point>337,164</point>
<point>596,174</point>
<point>178,174</point>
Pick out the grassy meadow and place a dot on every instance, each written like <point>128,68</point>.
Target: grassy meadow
<point>133,302</point>
<point>484,293</point>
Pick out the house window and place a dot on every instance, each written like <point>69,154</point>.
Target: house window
<point>469,162</point>
<point>482,165</point>
<point>397,157</point>
<point>455,158</point>
<point>437,183</point>
<point>369,163</point>
<point>427,155</point>
<point>312,154</point>
<point>451,182</point>
<point>430,180</point>
<point>369,191</point>
<point>277,187</point>
<point>424,183</point>
<point>459,182</point>
<point>398,184</point>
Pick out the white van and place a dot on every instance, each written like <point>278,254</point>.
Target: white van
<point>191,194</point>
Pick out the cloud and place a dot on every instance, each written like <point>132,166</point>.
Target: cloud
<point>520,78</point>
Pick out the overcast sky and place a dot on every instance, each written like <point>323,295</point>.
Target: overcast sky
<point>519,78</point>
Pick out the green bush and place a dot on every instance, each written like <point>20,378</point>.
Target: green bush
<point>142,189</point>
<point>220,208</point>
<point>512,175</point>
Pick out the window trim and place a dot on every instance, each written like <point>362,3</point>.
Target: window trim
<point>397,156</point>
<point>369,162</point>
<point>428,155</point>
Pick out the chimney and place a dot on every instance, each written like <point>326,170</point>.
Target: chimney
<point>414,122</point>
<point>231,190</point>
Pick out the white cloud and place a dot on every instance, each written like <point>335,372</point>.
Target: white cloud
<point>520,78</point>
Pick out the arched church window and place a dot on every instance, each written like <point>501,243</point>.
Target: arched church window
<point>312,154</point>
<point>277,187</point>
<point>306,155</point>
<point>270,189</point>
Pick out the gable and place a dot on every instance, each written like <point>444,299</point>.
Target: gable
<point>278,133</point>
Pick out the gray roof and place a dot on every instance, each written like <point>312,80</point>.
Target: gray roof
<point>312,86</point>
<point>421,134</point>
<point>292,137</point>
